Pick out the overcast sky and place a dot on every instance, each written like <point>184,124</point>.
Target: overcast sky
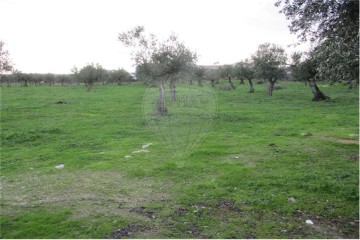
<point>54,35</point>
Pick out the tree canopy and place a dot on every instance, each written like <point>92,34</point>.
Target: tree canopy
<point>333,27</point>
<point>91,74</point>
<point>160,59</point>
<point>269,62</point>
<point>5,63</point>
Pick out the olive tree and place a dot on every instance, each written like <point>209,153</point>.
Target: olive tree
<point>163,60</point>
<point>5,63</point>
<point>199,73</point>
<point>212,75</point>
<point>119,76</point>
<point>245,69</point>
<point>269,62</point>
<point>304,69</point>
<point>333,29</point>
<point>90,74</point>
<point>227,71</point>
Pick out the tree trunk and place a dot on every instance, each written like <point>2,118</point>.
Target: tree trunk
<point>231,84</point>
<point>200,82</point>
<point>252,90</point>
<point>88,87</point>
<point>242,81</point>
<point>172,89</point>
<point>318,95</point>
<point>161,108</point>
<point>212,83</point>
<point>271,87</point>
<point>190,81</point>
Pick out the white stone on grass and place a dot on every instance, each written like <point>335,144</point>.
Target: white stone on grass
<point>292,200</point>
<point>309,222</point>
<point>61,166</point>
<point>146,145</point>
<point>140,151</point>
<point>127,156</point>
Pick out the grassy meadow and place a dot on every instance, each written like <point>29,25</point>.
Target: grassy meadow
<point>235,183</point>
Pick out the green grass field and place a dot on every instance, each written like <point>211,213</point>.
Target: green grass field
<point>235,183</point>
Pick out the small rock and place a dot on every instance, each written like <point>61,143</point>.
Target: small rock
<point>61,166</point>
<point>127,156</point>
<point>309,222</point>
<point>236,157</point>
<point>292,200</point>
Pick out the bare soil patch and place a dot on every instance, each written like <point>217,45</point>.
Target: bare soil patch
<point>128,231</point>
<point>88,192</point>
<point>343,140</point>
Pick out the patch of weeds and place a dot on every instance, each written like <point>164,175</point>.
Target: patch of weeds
<point>138,172</point>
<point>225,117</point>
<point>10,138</point>
<point>40,224</point>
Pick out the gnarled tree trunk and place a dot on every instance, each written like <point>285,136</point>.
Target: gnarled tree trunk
<point>172,89</point>
<point>230,82</point>
<point>318,95</point>
<point>242,81</point>
<point>252,90</point>
<point>271,86</point>
<point>161,108</point>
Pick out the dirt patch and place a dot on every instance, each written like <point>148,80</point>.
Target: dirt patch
<point>343,140</point>
<point>128,231</point>
<point>195,231</point>
<point>347,141</point>
<point>250,236</point>
<point>181,211</point>
<point>335,227</point>
<point>227,205</point>
<point>250,164</point>
<point>87,192</point>
<point>143,211</point>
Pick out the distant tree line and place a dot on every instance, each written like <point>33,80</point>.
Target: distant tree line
<point>88,75</point>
